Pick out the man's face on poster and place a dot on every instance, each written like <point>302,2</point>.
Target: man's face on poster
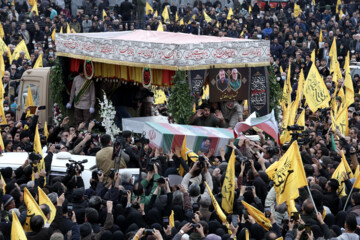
<point>222,76</point>
<point>234,74</point>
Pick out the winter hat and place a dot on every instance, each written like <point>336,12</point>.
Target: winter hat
<point>7,198</point>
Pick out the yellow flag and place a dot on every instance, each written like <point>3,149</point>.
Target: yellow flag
<point>181,22</point>
<point>316,94</point>
<point>301,119</point>
<point>228,187</point>
<point>53,35</point>
<point>342,121</point>
<point>288,174</point>
<point>17,231</point>
<point>287,87</point>
<point>2,146</point>
<point>246,234</point>
<point>31,2</point>
<point>349,88</point>
<point>32,209</point>
<point>357,182</point>
<point>258,216</point>
<point>4,186</point>
<point>291,206</point>
<point>357,172</point>
<point>159,96</point>
<point>207,18</point>
<point>38,148</point>
<point>320,36</point>
<point>333,56</point>
<point>297,10</point>
<point>29,101</point>
<point>338,3</point>
<point>104,15</point>
<point>313,1</point>
<point>176,17</point>
<point>35,9</point>
<point>230,13</point>
<point>160,27</point>
<point>2,70</point>
<point>39,62</point>
<point>346,164</point>
<point>183,156</point>
<point>44,199</point>
<point>21,47</point>
<point>312,56</point>
<point>217,208</point>
<point>293,111</point>
<point>250,9</point>
<point>46,131</point>
<point>171,219</point>
<point>300,88</point>
<point>148,8</point>
<point>165,15</point>
<point>339,176</point>
<point>217,24</point>
<point>193,17</point>
<point>156,14</point>
<point>2,115</point>
<point>68,28</point>
<point>281,69</point>
<point>2,34</point>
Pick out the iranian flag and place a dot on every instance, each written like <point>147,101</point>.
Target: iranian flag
<point>266,123</point>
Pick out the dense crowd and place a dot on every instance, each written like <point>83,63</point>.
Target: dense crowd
<point>135,206</point>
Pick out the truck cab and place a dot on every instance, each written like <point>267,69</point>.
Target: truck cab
<point>39,82</point>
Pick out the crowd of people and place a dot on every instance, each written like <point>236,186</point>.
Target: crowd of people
<point>168,199</point>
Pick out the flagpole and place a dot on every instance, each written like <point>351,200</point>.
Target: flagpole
<point>316,211</point>
<point>347,200</point>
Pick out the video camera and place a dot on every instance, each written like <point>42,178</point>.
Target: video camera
<point>141,139</point>
<point>73,165</point>
<point>150,166</point>
<point>295,128</point>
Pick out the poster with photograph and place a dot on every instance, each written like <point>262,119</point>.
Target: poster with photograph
<point>228,84</point>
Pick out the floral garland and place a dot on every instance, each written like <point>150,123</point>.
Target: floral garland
<point>107,113</point>
<point>57,119</point>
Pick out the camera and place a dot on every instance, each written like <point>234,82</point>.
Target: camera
<point>249,188</point>
<point>295,128</point>
<point>35,157</point>
<point>150,166</point>
<point>141,139</point>
<point>72,165</point>
<point>112,173</point>
<point>201,162</point>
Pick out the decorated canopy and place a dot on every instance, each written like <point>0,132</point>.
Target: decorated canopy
<point>164,50</point>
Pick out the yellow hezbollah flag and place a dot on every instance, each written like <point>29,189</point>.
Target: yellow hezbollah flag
<point>357,172</point>
<point>2,34</point>
<point>217,208</point>
<point>301,119</point>
<point>230,13</point>
<point>183,156</point>
<point>176,17</point>
<point>31,2</point>
<point>29,101</point>
<point>2,115</point>
<point>288,174</point>
<point>17,231</point>
<point>2,69</point>
<point>181,22</point>
<point>339,176</point>
<point>46,131</point>
<point>159,96</point>
<point>38,148</point>
<point>342,121</point>
<point>61,30</point>
<point>207,18</point>
<point>165,15</point>
<point>291,206</point>
<point>338,3</point>
<point>333,56</point>
<point>349,88</point>
<point>297,10</point>
<point>312,56</point>
<point>357,183</point>
<point>148,8</point>
<point>250,9</point>
<point>287,87</point>
<point>39,62</point>
<point>4,186</point>
<point>53,35</point>
<point>346,164</point>
<point>246,234</point>
<point>21,47</point>
<point>320,36</point>
<point>104,15</point>
<point>156,14</point>
<point>35,9</point>
<point>228,187</point>
<point>171,219</point>
<point>32,209</point>
<point>316,94</point>
<point>160,27</point>
<point>300,88</point>
<point>44,199</point>
<point>258,216</point>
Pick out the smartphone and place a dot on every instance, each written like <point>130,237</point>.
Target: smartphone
<point>308,228</point>
<point>69,210</point>
<point>295,216</point>
<point>234,220</point>
<point>148,232</point>
<point>195,207</point>
<point>32,109</point>
<point>42,107</point>
<point>165,222</point>
<point>245,213</point>
<point>267,212</point>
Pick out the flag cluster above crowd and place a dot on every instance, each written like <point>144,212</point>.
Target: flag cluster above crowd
<point>300,184</point>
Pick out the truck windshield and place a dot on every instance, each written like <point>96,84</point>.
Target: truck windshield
<point>34,92</point>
